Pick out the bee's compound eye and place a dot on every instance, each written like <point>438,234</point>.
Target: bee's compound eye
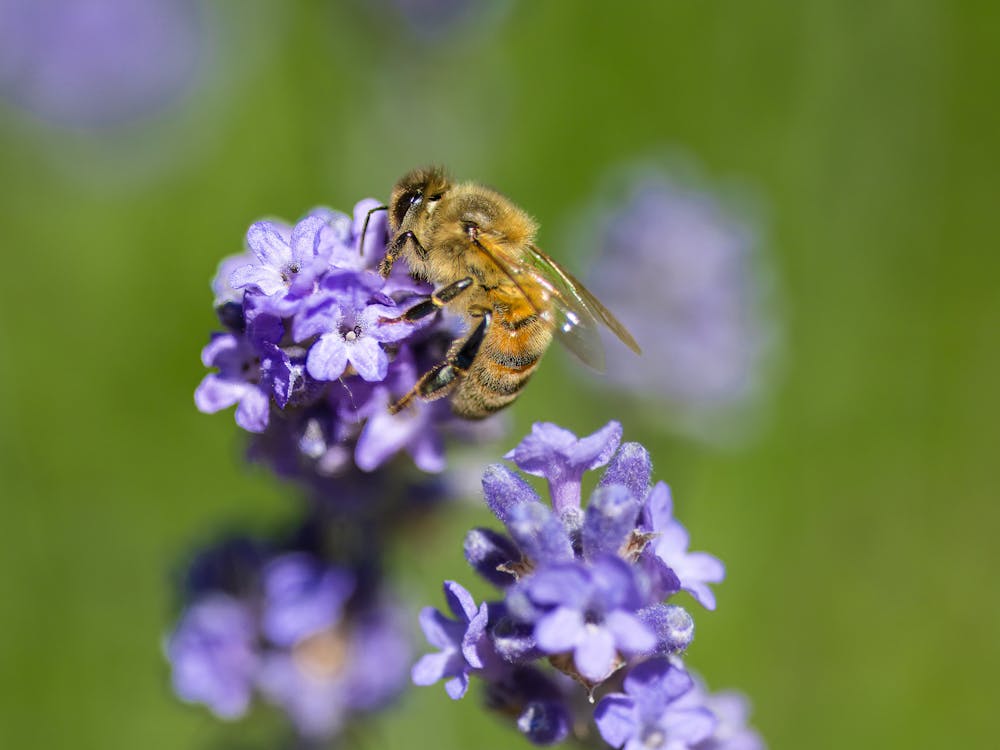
<point>415,198</point>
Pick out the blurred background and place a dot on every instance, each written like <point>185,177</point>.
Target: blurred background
<point>845,152</point>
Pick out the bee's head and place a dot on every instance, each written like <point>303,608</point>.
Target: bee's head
<point>421,187</point>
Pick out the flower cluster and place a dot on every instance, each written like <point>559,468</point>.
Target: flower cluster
<point>585,591</point>
<point>686,278</point>
<point>316,348</point>
<point>290,623</point>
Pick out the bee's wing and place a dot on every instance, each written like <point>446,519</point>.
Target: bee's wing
<point>576,311</point>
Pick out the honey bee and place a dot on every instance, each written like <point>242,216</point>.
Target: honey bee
<point>477,248</point>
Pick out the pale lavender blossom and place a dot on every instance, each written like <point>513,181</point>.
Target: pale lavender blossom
<point>214,655</point>
<point>695,570</point>
<point>688,279</point>
<point>279,621</point>
<point>98,63</point>
<point>648,716</point>
<point>459,641</point>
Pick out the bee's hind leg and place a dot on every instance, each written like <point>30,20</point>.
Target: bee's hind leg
<point>443,377</point>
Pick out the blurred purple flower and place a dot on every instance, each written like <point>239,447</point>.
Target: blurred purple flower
<point>732,712</point>
<point>95,63</point>
<point>687,280</point>
<point>647,715</point>
<point>214,656</point>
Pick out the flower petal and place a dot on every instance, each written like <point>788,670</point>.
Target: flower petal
<point>327,358</point>
<point>616,719</point>
<point>560,630</point>
<point>268,245</point>
<point>368,358</point>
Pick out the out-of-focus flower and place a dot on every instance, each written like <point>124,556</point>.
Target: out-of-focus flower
<point>94,63</point>
<point>321,640</point>
<point>583,600</point>
<point>316,349</point>
<point>688,279</point>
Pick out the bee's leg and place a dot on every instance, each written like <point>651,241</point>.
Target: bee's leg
<point>440,379</point>
<point>436,301</point>
<point>364,227</point>
<point>396,248</point>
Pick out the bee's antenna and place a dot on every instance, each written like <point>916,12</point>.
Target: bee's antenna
<point>364,227</point>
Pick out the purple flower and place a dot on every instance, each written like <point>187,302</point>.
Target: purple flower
<point>313,329</point>
<point>732,711</point>
<point>214,656</point>
<point>695,570</point>
<point>288,262</point>
<point>685,278</point>
<point>592,614</point>
<point>647,715</point>
<point>459,641</point>
<point>332,676</point>
<point>350,320</point>
<point>302,597</point>
<point>558,455</point>
<point>237,382</point>
<point>100,62</point>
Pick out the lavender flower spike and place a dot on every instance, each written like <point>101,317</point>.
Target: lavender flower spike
<point>558,455</point>
<point>458,641</point>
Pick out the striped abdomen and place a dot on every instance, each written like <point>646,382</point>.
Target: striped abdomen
<point>515,341</point>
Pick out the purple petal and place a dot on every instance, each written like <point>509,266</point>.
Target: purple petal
<point>654,684</point>
<point>597,449</point>
<point>431,667</point>
<point>474,637</point>
<point>659,506</point>
<point>460,601</point>
<point>616,719</point>
<point>264,278</point>
<point>560,630</point>
<point>221,347</point>
<point>268,245</point>
<point>535,453</point>
<point>595,654</point>
<point>254,409</point>
<point>689,726</point>
<point>438,629</point>
<point>368,358</point>
<point>305,241</point>
<point>486,550</point>
<point>457,685</point>
<point>568,585</point>
<point>327,358</point>
<point>631,634</point>
<point>214,393</point>
<point>504,489</point>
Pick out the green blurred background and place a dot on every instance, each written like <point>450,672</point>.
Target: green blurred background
<point>858,526</point>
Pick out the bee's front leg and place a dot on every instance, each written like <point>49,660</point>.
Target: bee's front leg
<point>435,302</point>
<point>442,378</point>
<point>395,249</point>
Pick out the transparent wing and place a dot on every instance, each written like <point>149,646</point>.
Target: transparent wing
<point>563,302</point>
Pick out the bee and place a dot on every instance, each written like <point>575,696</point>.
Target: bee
<point>478,250</point>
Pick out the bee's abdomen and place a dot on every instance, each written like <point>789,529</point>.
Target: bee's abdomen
<point>505,363</point>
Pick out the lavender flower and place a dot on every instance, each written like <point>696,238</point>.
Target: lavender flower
<point>647,715</point>
<point>321,640</point>
<point>583,599</point>
<point>685,278</point>
<point>316,349</point>
<point>458,641</point>
<point>93,63</point>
